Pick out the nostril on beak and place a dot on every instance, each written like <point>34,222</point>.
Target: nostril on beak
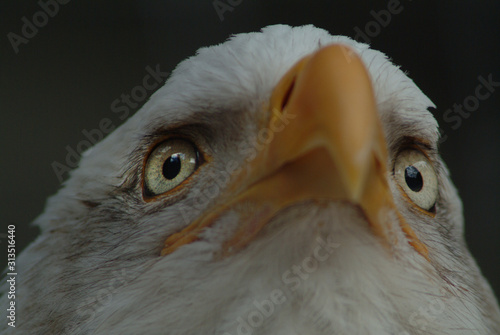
<point>288,94</point>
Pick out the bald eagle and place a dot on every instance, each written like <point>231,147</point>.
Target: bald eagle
<point>284,182</point>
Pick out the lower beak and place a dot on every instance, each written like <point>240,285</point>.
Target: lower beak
<point>326,143</point>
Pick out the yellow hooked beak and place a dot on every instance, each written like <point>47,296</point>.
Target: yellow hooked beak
<point>324,141</point>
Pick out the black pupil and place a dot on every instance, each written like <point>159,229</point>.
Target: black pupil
<point>413,179</point>
<point>172,166</point>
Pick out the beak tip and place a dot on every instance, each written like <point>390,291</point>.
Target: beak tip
<point>354,189</point>
<point>355,174</point>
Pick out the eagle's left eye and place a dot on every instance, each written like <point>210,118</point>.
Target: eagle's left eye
<point>169,164</point>
<point>417,177</point>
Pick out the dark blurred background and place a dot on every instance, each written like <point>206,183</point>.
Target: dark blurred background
<point>63,80</point>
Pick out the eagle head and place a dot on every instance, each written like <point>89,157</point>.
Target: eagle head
<point>284,182</point>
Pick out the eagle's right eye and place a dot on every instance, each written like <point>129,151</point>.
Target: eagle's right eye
<point>169,164</point>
